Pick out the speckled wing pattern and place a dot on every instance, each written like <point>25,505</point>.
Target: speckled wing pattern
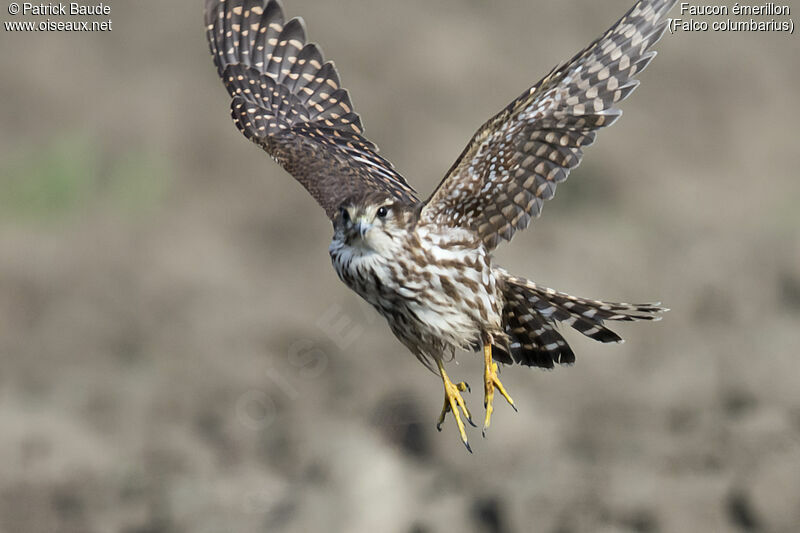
<point>289,101</point>
<point>514,162</point>
<point>531,312</point>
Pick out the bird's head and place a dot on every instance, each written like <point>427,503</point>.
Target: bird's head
<point>374,223</point>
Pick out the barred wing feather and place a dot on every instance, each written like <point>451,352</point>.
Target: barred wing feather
<point>289,101</point>
<point>514,162</point>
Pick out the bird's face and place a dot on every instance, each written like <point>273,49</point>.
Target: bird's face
<point>374,226</point>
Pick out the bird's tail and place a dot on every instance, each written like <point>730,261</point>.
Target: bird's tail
<point>531,313</point>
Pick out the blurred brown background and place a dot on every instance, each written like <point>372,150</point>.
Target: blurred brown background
<point>177,354</point>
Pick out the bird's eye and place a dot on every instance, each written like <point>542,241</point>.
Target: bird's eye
<point>345,214</point>
<point>382,212</point>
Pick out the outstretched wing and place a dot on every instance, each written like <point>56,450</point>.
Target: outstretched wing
<point>515,160</point>
<point>289,101</point>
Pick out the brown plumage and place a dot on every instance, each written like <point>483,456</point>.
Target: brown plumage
<point>427,266</point>
<point>289,101</point>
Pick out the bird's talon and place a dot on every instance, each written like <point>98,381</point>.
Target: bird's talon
<point>491,382</point>
<point>453,402</point>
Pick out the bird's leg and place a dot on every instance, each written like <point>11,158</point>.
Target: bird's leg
<point>452,402</point>
<point>490,381</point>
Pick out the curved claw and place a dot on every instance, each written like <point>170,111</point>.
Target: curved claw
<point>453,402</point>
<point>464,386</point>
<point>491,382</point>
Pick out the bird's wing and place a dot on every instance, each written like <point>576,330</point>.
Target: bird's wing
<point>289,101</point>
<point>514,161</point>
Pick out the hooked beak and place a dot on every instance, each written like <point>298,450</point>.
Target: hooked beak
<point>362,227</point>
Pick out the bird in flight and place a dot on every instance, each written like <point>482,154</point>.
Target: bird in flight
<point>426,265</point>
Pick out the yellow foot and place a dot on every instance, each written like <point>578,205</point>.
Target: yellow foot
<point>490,382</point>
<point>452,402</point>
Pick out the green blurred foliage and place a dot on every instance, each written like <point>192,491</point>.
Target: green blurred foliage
<point>68,176</point>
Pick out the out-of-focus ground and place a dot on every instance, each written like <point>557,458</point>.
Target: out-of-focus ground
<point>177,355</point>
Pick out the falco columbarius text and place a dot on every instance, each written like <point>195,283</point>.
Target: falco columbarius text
<point>427,266</point>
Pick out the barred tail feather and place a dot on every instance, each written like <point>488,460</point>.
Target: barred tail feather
<point>531,312</point>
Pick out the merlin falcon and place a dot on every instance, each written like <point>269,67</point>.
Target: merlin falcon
<point>426,265</point>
